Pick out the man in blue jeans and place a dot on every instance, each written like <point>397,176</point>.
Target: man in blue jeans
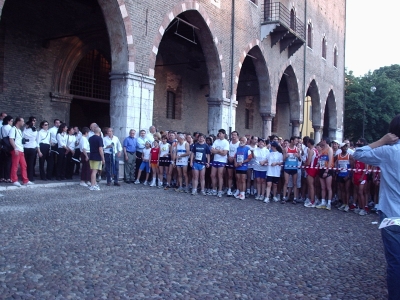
<point>384,153</point>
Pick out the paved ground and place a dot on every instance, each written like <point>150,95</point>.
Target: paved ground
<point>137,242</point>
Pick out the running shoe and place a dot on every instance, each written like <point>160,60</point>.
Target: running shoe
<point>257,197</point>
<point>322,205</point>
<point>310,205</point>
<point>363,212</point>
<point>241,196</point>
<point>342,207</point>
<point>229,192</point>
<point>137,182</point>
<point>328,206</point>
<point>266,200</point>
<point>275,199</point>
<point>220,193</point>
<point>346,209</point>
<point>203,193</point>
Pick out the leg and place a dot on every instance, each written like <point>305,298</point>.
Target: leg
<point>202,179</point>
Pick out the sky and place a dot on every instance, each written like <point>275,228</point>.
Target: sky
<point>372,35</point>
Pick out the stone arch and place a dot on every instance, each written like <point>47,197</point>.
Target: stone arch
<point>293,89</point>
<point>314,93</point>
<point>120,32</point>
<point>253,49</point>
<point>330,116</point>
<point>211,53</point>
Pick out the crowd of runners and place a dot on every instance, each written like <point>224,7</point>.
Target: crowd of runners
<point>296,170</point>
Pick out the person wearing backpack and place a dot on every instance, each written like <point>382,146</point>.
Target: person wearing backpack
<point>17,154</point>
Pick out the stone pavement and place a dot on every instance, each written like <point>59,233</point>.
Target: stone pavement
<point>137,242</point>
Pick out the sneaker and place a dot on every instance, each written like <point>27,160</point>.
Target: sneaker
<point>145,183</point>
<point>179,190</point>
<point>29,183</point>
<point>261,198</point>
<point>194,192</point>
<point>153,183</point>
<point>283,201</point>
<point>167,187</point>
<point>88,183</point>
<point>352,206</point>
<point>98,178</point>
<point>275,199</point>
<point>220,193</point>
<point>160,185</point>
<point>328,206</point>
<point>255,192</point>
<point>212,193</point>
<point>357,210</point>
<point>94,188</point>
<point>83,184</point>
<point>137,181</point>
<point>203,193</point>
<point>257,197</point>
<point>310,205</point>
<point>229,193</point>
<point>341,208</point>
<point>363,212</point>
<point>346,209</point>
<point>248,192</point>
<point>241,196</point>
<point>236,194</point>
<point>17,184</point>
<point>322,205</point>
<point>266,200</point>
<point>307,202</point>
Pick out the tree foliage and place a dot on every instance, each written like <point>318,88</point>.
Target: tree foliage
<point>379,107</point>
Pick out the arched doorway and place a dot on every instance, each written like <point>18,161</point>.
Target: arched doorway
<point>312,122</point>
<point>287,119</point>
<point>42,43</point>
<point>188,76</point>
<point>330,117</point>
<point>90,87</point>
<point>254,96</point>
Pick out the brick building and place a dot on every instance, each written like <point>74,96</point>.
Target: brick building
<point>187,65</point>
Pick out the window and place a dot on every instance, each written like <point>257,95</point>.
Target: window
<point>309,35</point>
<point>267,10</point>
<point>91,77</point>
<point>324,48</point>
<point>292,19</point>
<point>335,55</point>
<point>170,105</point>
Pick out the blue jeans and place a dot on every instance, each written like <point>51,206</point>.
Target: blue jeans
<point>391,243</point>
<point>112,167</point>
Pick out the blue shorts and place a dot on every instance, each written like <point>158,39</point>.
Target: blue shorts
<point>145,166</point>
<point>260,174</point>
<point>198,166</point>
<point>217,164</point>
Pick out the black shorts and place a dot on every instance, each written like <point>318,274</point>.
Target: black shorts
<point>322,175</point>
<point>164,161</point>
<point>241,171</point>
<point>342,179</point>
<point>273,179</point>
<point>290,172</point>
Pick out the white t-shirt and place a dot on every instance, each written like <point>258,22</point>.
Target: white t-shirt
<point>164,149</point>
<point>146,153</point>
<point>62,140</point>
<point>30,135</point>
<point>16,134</point>
<point>220,145</point>
<point>84,144</point>
<point>252,162</point>
<point>233,148</point>
<point>43,137</point>
<point>70,143</point>
<point>53,134</point>
<point>260,154</point>
<point>274,157</point>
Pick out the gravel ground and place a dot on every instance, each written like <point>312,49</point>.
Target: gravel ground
<point>137,242</point>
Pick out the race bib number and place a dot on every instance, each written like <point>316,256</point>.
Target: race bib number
<point>199,156</point>
<point>343,165</point>
<point>240,158</point>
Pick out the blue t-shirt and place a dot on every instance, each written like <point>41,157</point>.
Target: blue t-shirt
<point>95,143</point>
<point>200,152</point>
<point>242,153</point>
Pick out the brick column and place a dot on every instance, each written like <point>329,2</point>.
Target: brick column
<point>295,127</point>
<point>317,133</point>
<point>267,124</point>
<point>131,102</point>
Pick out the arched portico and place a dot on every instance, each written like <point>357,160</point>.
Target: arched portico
<point>330,116</point>
<point>253,94</point>
<point>288,106</point>
<point>313,110</point>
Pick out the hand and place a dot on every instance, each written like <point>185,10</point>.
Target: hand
<point>389,139</point>
<point>103,161</point>
<point>40,154</point>
<point>119,154</point>
<point>16,152</point>
<point>87,158</point>
<point>126,157</point>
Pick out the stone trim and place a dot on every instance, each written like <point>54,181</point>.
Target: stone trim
<point>64,98</point>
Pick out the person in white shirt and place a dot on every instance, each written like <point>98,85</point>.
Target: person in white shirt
<point>112,153</point>
<point>220,150</point>
<point>61,149</point>
<point>233,145</point>
<point>17,155</point>
<point>182,158</point>
<point>43,141</point>
<point>150,134</point>
<point>5,167</point>
<point>253,142</point>
<point>30,147</point>
<point>84,147</point>
<point>54,147</point>
<point>260,161</point>
<point>145,165</point>
<point>69,154</point>
<point>275,161</point>
<point>77,154</point>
